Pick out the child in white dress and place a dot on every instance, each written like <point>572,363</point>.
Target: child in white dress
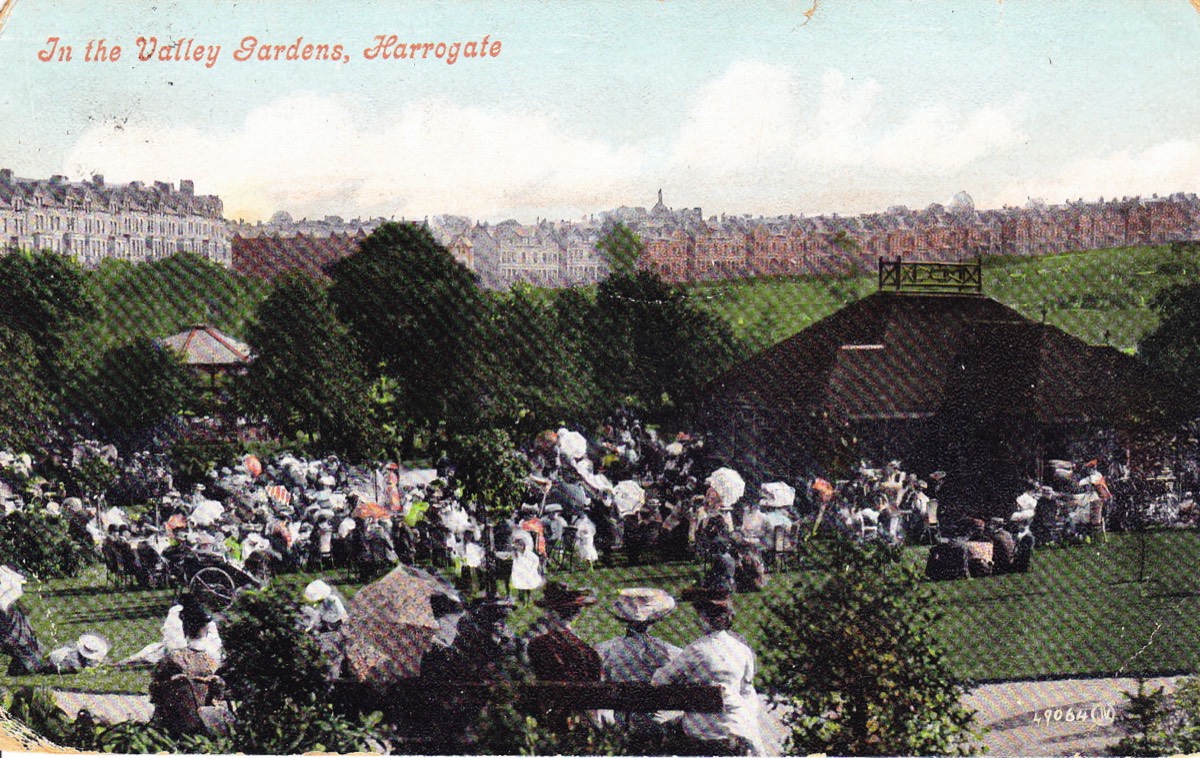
<point>527,567</point>
<point>585,546</point>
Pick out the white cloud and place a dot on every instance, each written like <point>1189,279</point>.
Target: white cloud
<point>314,155</point>
<point>1167,167</point>
<point>757,138</point>
<point>738,119</point>
<point>758,113</point>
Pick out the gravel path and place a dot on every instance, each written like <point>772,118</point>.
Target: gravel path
<point>1015,714</point>
<point>106,707</point>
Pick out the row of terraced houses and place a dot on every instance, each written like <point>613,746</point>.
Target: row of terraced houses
<point>92,221</point>
<point>684,246</point>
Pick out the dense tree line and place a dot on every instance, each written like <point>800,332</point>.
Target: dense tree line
<point>398,352</point>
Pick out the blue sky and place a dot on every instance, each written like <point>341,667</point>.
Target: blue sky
<point>732,107</point>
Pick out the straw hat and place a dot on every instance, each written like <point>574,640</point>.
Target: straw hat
<point>642,604</point>
<point>571,444</point>
<point>316,591</point>
<point>92,646</point>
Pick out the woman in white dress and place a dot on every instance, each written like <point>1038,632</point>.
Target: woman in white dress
<point>585,546</point>
<point>527,568</point>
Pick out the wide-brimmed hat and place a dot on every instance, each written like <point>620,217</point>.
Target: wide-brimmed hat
<point>9,575</point>
<point>572,445</point>
<point>628,497</point>
<point>709,600</point>
<point>553,508</point>
<point>94,647</point>
<point>317,590</point>
<point>559,595</point>
<point>642,604</point>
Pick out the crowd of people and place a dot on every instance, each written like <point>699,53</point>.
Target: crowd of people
<point>626,495</point>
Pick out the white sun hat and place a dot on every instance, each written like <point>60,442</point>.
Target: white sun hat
<point>94,647</point>
<point>317,590</point>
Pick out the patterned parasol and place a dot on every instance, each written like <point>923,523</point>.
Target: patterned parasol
<point>391,625</point>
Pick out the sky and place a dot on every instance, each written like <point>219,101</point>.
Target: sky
<point>746,107</point>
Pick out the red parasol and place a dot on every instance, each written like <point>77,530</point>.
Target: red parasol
<point>823,489</point>
<point>369,510</point>
<point>253,465</point>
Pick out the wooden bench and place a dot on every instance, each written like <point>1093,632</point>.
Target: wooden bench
<point>537,696</point>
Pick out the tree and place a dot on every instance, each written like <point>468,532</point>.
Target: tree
<point>418,315</point>
<point>157,298</point>
<point>24,409</point>
<point>622,248</point>
<point>1174,345</point>
<point>652,348</point>
<point>138,386</point>
<point>492,474</point>
<point>543,374</point>
<point>852,650</point>
<point>45,297</point>
<point>307,377</point>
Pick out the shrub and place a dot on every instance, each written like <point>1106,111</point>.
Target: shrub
<point>275,674</point>
<point>1155,723</point>
<point>851,650</point>
<point>42,545</point>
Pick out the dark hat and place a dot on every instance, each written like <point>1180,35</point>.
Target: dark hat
<point>706,595</point>
<point>706,601</point>
<point>444,605</point>
<point>495,609</point>
<point>194,615</point>
<point>559,595</point>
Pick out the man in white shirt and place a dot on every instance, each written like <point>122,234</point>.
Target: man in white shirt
<point>722,658</point>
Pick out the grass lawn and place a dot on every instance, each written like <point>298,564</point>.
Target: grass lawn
<point>1084,293</point>
<point>1079,611</point>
